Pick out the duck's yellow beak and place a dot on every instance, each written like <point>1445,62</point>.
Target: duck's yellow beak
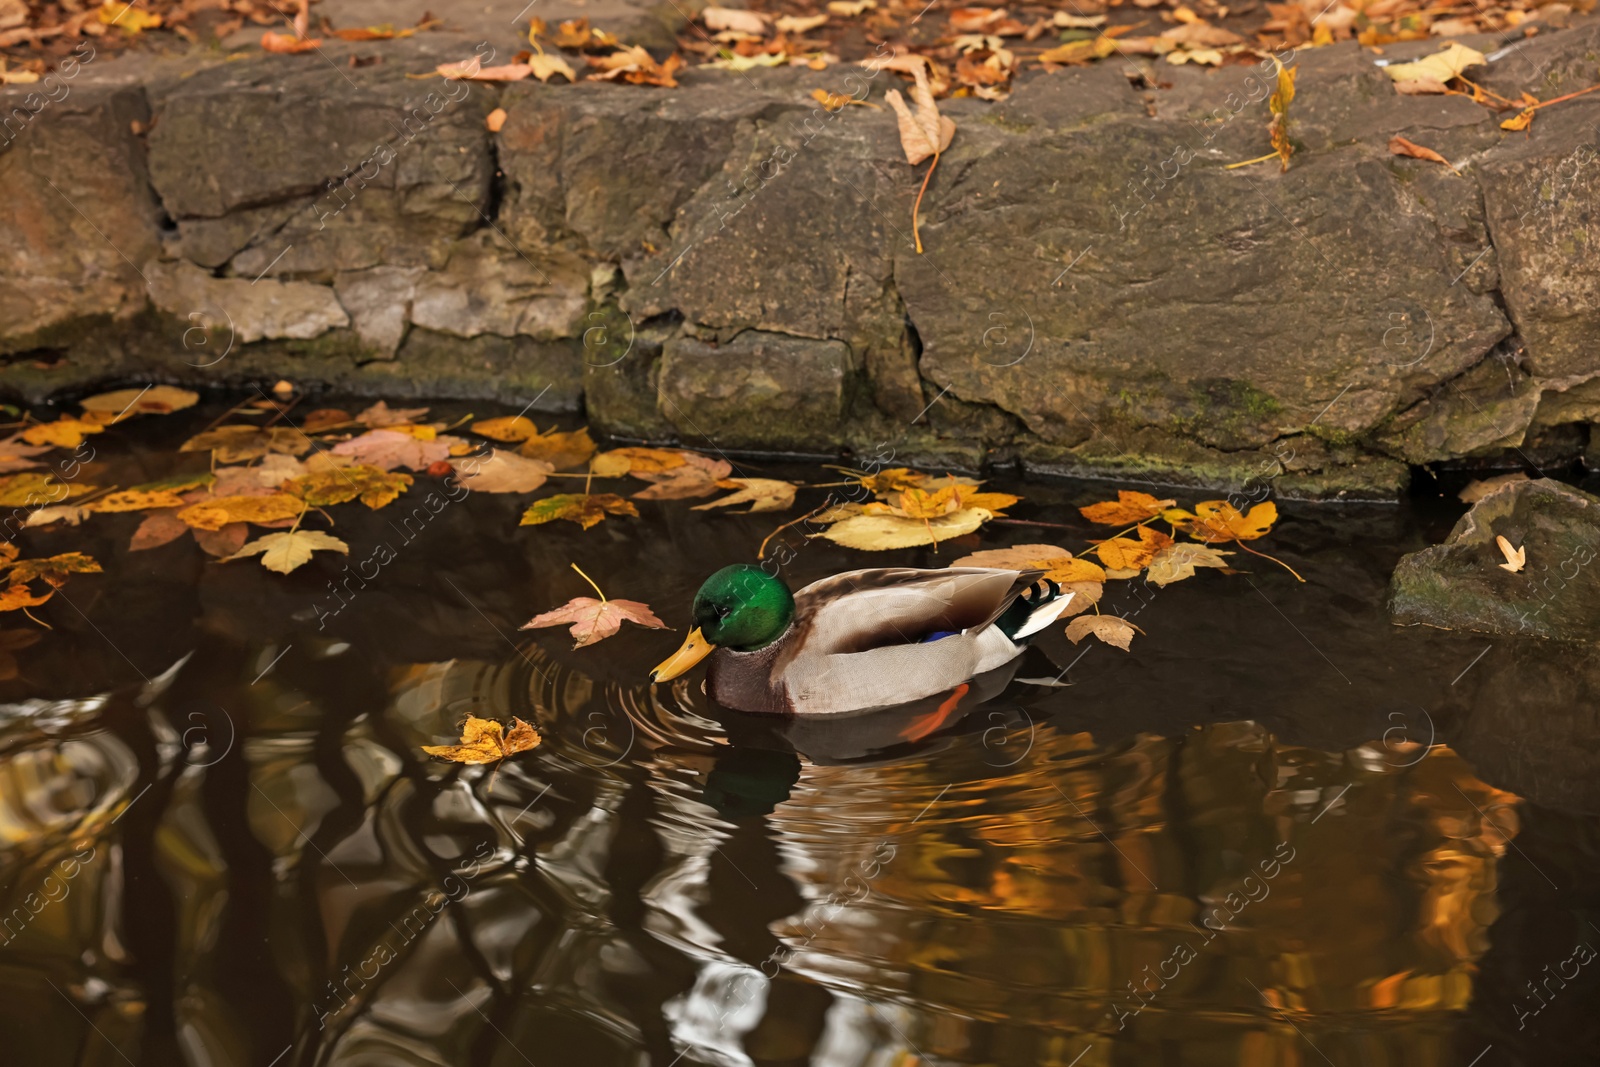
<point>694,649</point>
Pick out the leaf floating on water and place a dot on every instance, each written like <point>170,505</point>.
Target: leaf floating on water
<point>224,542</point>
<point>877,533</point>
<point>373,487</point>
<point>511,428</point>
<point>594,620</point>
<point>620,461</point>
<point>389,448</point>
<point>15,455</point>
<point>1126,554</point>
<point>585,509</point>
<point>1109,629</point>
<point>1217,521</point>
<point>14,641</point>
<point>215,514</point>
<point>1059,565</point>
<point>762,494</point>
<point>179,483</point>
<point>126,403</point>
<point>560,450</point>
<point>1178,561</point>
<point>239,444</point>
<point>30,489</point>
<point>696,476</point>
<point>929,504</point>
<point>53,569</point>
<point>1129,507</point>
<point>18,597</point>
<point>67,513</point>
<point>283,552</point>
<point>158,528</point>
<point>502,472</point>
<point>65,432</point>
<point>487,741</point>
<point>136,500</point>
<point>381,414</point>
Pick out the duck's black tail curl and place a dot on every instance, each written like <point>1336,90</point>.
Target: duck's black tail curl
<point>1015,621</point>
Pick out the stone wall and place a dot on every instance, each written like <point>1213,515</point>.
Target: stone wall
<point>727,262</point>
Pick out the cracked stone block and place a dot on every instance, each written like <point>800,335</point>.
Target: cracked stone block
<point>760,390</point>
<point>267,308</point>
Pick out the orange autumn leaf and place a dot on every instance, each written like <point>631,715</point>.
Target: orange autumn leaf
<point>620,461</point>
<point>585,509</point>
<point>65,432</point>
<point>559,449</point>
<point>487,741</point>
<point>53,569</point>
<point>1126,554</point>
<point>1129,507</point>
<point>1059,565</point>
<point>925,504</point>
<point>1217,521</point>
<point>288,43</point>
<point>215,514</point>
<point>17,597</point>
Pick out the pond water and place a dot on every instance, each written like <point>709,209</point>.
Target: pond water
<point>1278,831</point>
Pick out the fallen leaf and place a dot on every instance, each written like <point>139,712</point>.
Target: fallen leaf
<point>15,455</point>
<point>14,641</point>
<point>381,414</point>
<point>1439,67</point>
<point>65,432</point>
<point>239,444</point>
<point>495,120</point>
<point>585,509</point>
<point>1476,491</point>
<point>136,500</point>
<point>697,476</point>
<point>1129,507</point>
<point>473,70</point>
<point>1399,146</point>
<point>31,489</point>
<point>762,494</point>
<point>510,428</point>
<point>1110,629</point>
<point>1217,521</point>
<point>388,449</point>
<point>1278,104</point>
<point>548,65</point>
<point>798,24</point>
<point>224,542</point>
<point>1126,554</point>
<point>1178,561</point>
<point>924,133</point>
<point>620,461</point>
<point>728,18</point>
<point>288,44</point>
<point>17,597</point>
<point>325,418</point>
<point>66,513</point>
<point>1516,558</point>
<point>633,64</point>
<point>179,483</point>
<point>283,552</point>
<point>560,449</point>
<point>839,101</point>
<point>850,8</point>
<point>1062,20</point>
<point>1059,565</point>
<point>126,17</point>
<point>53,569</point>
<point>502,472</point>
<point>876,533</point>
<point>217,513</point>
<point>594,620</point>
<point>126,403</point>
<point>159,528</point>
<point>486,741</point>
<point>1519,121</point>
<point>372,486</point>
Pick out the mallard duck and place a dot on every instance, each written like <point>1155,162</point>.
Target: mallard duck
<point>858,640</point>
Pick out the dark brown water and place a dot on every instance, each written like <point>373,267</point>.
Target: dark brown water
<point>1279,832</point>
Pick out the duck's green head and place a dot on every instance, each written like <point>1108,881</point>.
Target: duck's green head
<point>740,607</point>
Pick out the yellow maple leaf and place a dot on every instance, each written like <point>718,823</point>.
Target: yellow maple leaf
<point>53,569</point>
<point>1126,554</point>
<point>487,741</point>
<point>1217,521</point>
<point>1129,507</point>
<point>17,597</point>
<point>585,509</point>
<point>65,432</point>
<point>1059,565</point>
<point>373,486</point>
<point>215,514</point>
<point>621,461</point>
<point>559,449</point>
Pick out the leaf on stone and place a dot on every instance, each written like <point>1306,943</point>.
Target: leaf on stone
<point>1129,507</point>
<point>135,500</point>
<point>1278,104</point>
<point>1217,521</point>
<point>502,472</point>
<point>224,542</point>
<point>585,509</point>
<point>508,428</point>
<point>546,66</point>
<point>1399,146</point>
<point>697,476</point>
<point>799,24</point>
<point>65,432</point>
<point>727,18</point>
<point>126,403</point>
<point>487,741</point>
<point>288,43</point>
<point>381,414</point>
<point>1438,68</point>
<point>388,449</point>
<point>1110,629</point>
<point>16,455</point>
<point>372,486</point>
<point>877,533</point>
<point>157,529</point>
<point>1516,558</point>
<point>636,66</point>
<point>620,461</point>
<point>53,569</point>
<point>1059,565</point>
<point>1127,554</point>
<point>1178,561</point>
<point>925,132</point>
<point>559,449</point>
<point>217,513</point>
<point>17,597</point>
<point>594,620</point>
<point>762,494</point>
<point>126,17</point>
<point>31,489</point>
<point>283,552</point>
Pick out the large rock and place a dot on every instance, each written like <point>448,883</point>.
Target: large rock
<point>761,389</point>
<point>1461,585</point>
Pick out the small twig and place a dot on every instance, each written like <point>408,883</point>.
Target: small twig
<point>1251,162</point>
<point>1274,559</point>
<point>1032,522</point>
<point>761,553</point>
<point>915,232</point>
<point>590,580</point>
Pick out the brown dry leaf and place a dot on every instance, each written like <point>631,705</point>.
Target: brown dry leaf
<point>17,597</point>
<point>547,66</point>
<point>1178,561</point>
<point>239,444</point>
<point>1476,491</point>
<point>324,419</point>
<point>697,476</point>
<point>637,461</point>
<point>224,542</point>
<point>728,18</point>
<point>1520,121</point>
<point>1129,507</point>
<point>283,552</point>
<point>850,8</point>
<point>126,403</point>
<point>636,66</point>
<point>502,472</point>
<point>762,494</point>
<point>215,514</point>
<point>560,449</point>
<point>1110,629</point>
<point>136,500</point>
<point>158,528</point>
<point>288,44</point>
<point>486,741</point>
<point>1059,565</point>
<point>594,620</point>
<point>1217,521</point>
<point>838,101</point>
<point>1126,554</point>
<point>372,486</point>
<point>924,133</point>
<point>65,432</point>
<point>393,447</point>
<point>799,24</point>
<point>381,415</point>
<point>585,509</point>
<point>1401,147</point>
<point>15,455</point>
<point>53,569</point>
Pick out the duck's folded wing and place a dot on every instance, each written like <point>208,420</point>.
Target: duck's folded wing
<point>867,609</point>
